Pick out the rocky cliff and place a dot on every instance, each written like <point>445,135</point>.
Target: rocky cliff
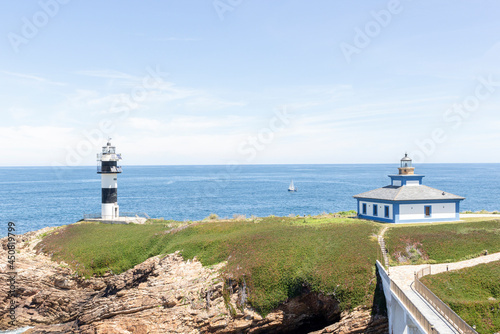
<point>161,295</point>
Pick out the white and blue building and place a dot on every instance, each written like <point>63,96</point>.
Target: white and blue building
<point>407,200</point>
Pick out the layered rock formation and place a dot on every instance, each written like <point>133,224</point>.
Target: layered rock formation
<point>161,295</point>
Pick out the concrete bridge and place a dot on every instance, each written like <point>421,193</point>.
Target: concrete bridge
<point>412,308</point>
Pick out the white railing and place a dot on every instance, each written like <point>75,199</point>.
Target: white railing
<point>439,305</point>
<point>122,214</point>
<point>422,320</point>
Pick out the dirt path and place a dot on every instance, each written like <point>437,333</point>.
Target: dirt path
<point>381,242</point>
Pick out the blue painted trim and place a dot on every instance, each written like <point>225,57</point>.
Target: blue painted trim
<point>386,211</point>
<point>430,201</point>
<point>427,220</point>
<point>405,178</point>
<point>395,212</point>
<point>430,211</point>
<point>378,219</point>
<point>376,200</point>
<point>397,221</point>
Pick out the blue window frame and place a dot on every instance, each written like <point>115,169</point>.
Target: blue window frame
<point>375,210</point>
<point>364,208</point>
<point>386,211</point>
<point>428,210</point>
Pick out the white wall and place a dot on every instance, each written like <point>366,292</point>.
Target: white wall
<point>400,318</point>
<point>417,211</point>
<point>369,209</point>
<point>412,183</point>
<point>109,211</point>
<point>109,181</point>
<point>396,183</point>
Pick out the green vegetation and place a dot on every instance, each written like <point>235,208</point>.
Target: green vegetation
<point>482,212</point>
<point>347,213</point>
<point>276,256</point>
<point>473,293</point>
<point>447,242</point>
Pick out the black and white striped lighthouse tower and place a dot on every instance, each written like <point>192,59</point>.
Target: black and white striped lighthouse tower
<point>109,170</point>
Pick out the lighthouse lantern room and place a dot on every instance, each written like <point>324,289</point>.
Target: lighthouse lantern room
<point>108,168</point>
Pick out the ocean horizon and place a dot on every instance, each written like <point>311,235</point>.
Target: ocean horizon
<point>38,196</point>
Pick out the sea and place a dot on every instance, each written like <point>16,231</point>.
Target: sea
<point>36,197</point>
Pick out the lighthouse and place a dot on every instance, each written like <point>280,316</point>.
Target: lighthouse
<point>108,168</point>
<point>408,200</point>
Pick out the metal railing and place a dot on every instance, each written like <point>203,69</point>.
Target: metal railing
<point>134,214</point>
<point>439,305</point>
<point>110,170</point>
<point>122,214</point>
<point>91,215</point>
<point>426,325</point>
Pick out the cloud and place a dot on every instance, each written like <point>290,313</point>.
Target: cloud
<point>34,78</point>
<point>190,125</point>
<point>146,124</point>
<point>168,39</point>
<point>33,145</point>
<point>107,74</point>
<point>208,102</point>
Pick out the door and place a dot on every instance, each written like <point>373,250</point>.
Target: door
<point>428,211</point>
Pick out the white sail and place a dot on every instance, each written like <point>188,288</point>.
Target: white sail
<point>292,187</point>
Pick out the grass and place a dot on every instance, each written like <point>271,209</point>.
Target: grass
<point>276,256</point>
<point>473,293</point>
<point>441,243</point>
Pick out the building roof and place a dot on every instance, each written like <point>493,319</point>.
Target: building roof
<point>407,193</point>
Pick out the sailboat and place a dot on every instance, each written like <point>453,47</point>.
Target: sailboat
<point>292,187</point>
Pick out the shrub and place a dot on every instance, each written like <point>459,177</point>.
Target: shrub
<point>444,242</point>
<point>212,216</point>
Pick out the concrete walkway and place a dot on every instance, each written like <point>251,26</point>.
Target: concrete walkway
<point>404,277</point>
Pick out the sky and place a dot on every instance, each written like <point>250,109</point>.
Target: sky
<point>249,82</point>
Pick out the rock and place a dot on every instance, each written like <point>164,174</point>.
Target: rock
<point>63,283</point>
<point>161,295</point>
<point>358,320</point>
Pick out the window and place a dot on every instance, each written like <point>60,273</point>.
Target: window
<point>364,208</point>
<point>375,210</point>
<point>386,211</point>
<point>428,210</point>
